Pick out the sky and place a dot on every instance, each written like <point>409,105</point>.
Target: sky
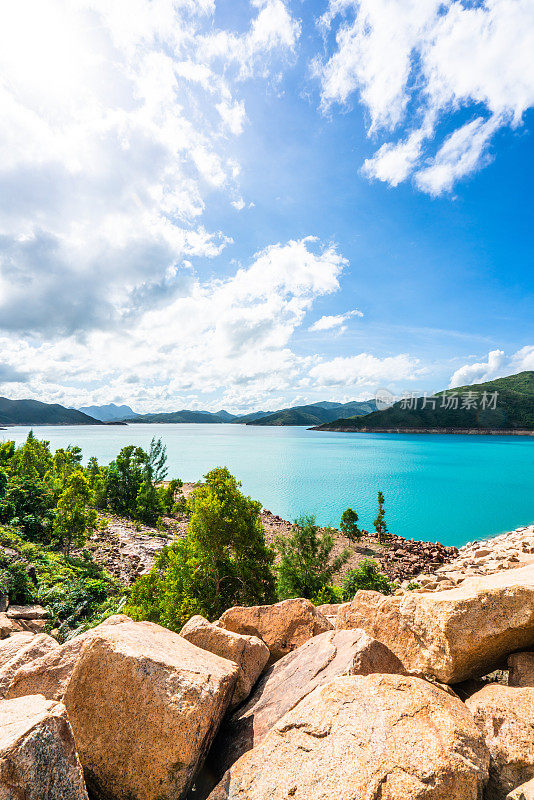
<point>249,204</point>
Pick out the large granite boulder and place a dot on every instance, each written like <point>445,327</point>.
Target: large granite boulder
<point>8,626</point>
<point>144,705</point>
<point>10,646</point>
<point>249,653</point>
<point>283,626</point>
<point>523,792</point>
<point>521,666</point>
<point>505,716</point>
<point>38,758</point>
<point>286,683</point>
<point>380,736</point>
<point>50,674</point>
<point>37,646</point>
<point>454,634</point>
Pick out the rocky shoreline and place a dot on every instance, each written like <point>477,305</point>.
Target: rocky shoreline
<point>463,431</point>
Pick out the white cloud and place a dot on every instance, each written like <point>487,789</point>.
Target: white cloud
<point>365,369</point>
<point>497,365</point>
<point>334,322</point>
<point>413,62</point>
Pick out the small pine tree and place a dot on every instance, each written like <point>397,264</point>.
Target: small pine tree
<point>380,524</point>
<point>74,519</point>
<point>349,525</point>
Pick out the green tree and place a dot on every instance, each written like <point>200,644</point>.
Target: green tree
<point>148,506</point>
<point>157,461</point>
<point>367,575</point>
<point>349,525</point>
<point>33,459</point>
<point>74,519</point>
<point>222,561</point>
<point>29,504</point>
<point>123,480</point>
<point>380,524</point>
<point>306,567</point>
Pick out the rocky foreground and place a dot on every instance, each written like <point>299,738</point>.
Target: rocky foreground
<point>427,694</point>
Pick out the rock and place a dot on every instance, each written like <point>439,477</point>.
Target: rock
<point>521,666</point>
<point>38,758</point>
<point>453,634</point>
<point>144,705</point>
<point>49,674</point>
<point>27,612</point>
<point>523,792</point>
<point>10,646</point>
<point>8,626</point>
<point>293,677</point>
<point>248,652</point>
<point>34,648</point>
<point>505,715</point>
<point>380,736</point>
<point>283,626</point>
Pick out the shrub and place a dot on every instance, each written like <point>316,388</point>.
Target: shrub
<point>349,525</point>
<point>366,576</point>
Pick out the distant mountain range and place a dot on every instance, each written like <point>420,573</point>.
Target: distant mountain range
<point>32,412</point>
<point>316,413</point>
<point>501,404</point>
<point>108,413</point>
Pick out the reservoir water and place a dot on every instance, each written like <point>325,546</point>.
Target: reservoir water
<point>444,488</point>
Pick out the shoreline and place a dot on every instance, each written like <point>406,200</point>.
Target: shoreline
<point>442,431</point>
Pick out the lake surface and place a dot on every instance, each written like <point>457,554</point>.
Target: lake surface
<point>451,489</point>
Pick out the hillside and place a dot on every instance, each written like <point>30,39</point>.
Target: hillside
<point>33,412</point>
<point>109,412</point>
<point>178,417</point>
<point>316,413</point>
<point>478,409</point>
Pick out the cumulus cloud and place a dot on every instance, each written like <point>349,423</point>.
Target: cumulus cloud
<point>411,62</point>
<point>497,365</point>
<point>365,369</point>
<point>334,322</point>
<point>116,120</point>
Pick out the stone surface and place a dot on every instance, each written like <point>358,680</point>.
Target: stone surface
<point>454,634</point>
<point>49,674</point>
<point>521,666</point>
<point>283,626</point>
<point>505,716</point>
<point>523,792</point>
<point>293,677</point>
<point>8,626</point>
<point>10,646</point>
<point>27,612</point>
<point>38,758</point>
<point>378,737</point>
<point>34,648</point>
<point>249,653</point>
<point>144,705</point>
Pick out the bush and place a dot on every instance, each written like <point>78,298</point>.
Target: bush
<point>306,568</point>
<point>366,576</point>
<point>349,525</point>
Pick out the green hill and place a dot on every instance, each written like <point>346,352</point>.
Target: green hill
<point>316,413</point>
<point>511,409</point>
<point>33,412</point>
<point>178,416</point>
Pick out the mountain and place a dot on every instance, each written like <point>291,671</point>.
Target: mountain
<point>177,417</point>
<point>32,412</point>
<point>514,409</point>
<point>316,413</point>
<point>225,415</point>
<point>109,412</point>
<point>254,415</point>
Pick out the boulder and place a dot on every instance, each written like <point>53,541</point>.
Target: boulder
<point>144,705</point>
<point>454,634</point>
<point>49,674</point>
<point>38,758</point>
<point>505,716</point>
<point>10,646</point>
<point>27,612</point>
<point>8,626</point>
<point>521,666</point>
<point>293,677</point>
<point>34,648</point>
<point>391,737</point>
<point>523,792</point>
<point>283,626</point>
<point>249,653</point>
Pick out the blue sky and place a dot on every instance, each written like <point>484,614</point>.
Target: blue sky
<point>245,204</point>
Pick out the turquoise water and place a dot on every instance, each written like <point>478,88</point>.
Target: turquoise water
<point>451,489</point>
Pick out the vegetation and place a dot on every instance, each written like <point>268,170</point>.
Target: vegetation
<point>32,412</point>
<point>514,409</point>
<point>349,525</point>
<point>380,524</point>
<point>222,561</point>
<point>315,414</point>
<point>365,576</point>
<point>306,567</point>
